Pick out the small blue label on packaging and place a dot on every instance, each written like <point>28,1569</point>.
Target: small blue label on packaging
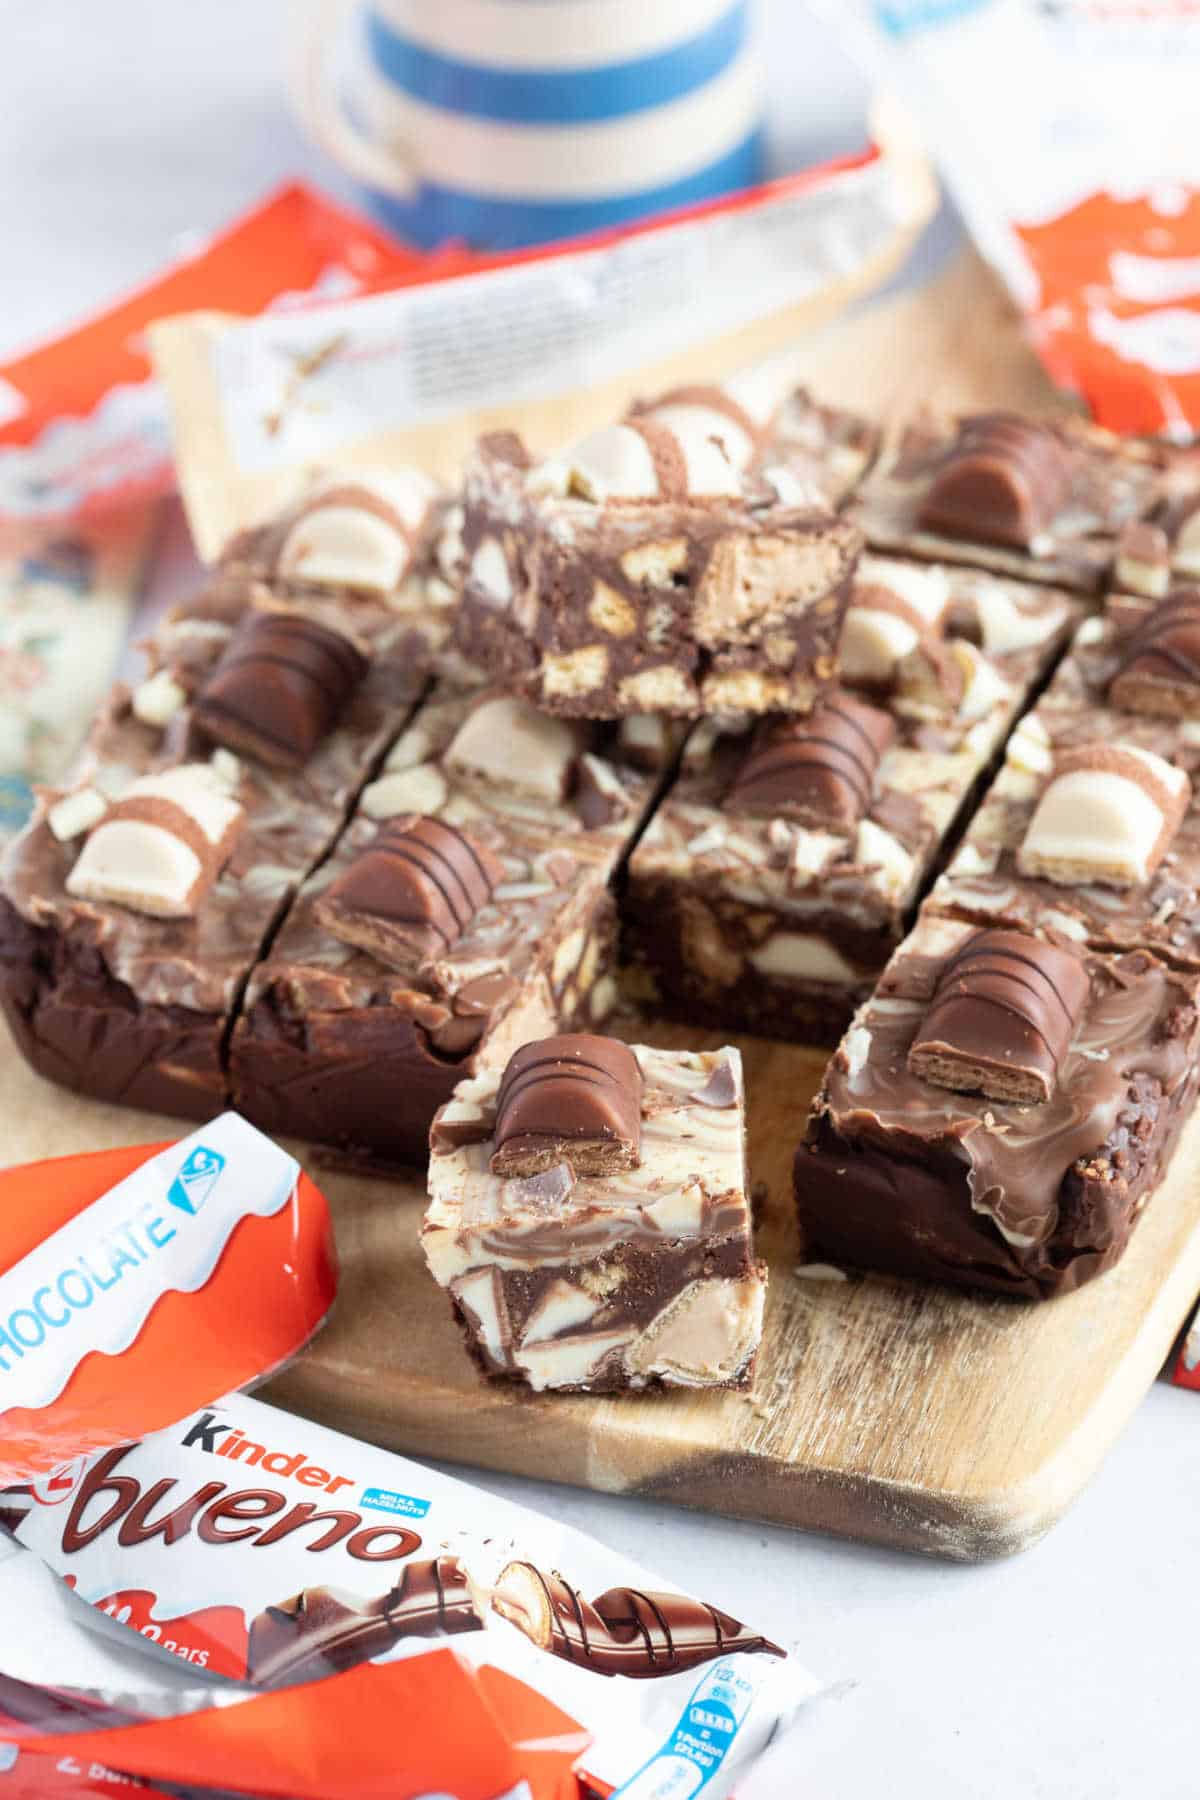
<point>196,1179</point>
<point>384,1500</point>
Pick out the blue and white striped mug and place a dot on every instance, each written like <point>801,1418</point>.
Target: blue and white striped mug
<point>513,122</point>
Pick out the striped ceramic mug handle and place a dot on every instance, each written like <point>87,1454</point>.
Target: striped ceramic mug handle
<point>389,171</point>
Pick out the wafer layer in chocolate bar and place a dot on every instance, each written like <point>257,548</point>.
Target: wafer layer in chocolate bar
<point>641,1274</point>
<point>137,901</point>
<point>784,865</point>
<point>1091,829</point>
<point>1044,500</point>
<point>1000,1112</point>
<point>465,910</point>
<point>680,561</point>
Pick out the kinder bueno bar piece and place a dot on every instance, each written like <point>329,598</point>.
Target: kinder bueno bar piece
<point>574,1099</point>
<point>110,1257</point>
<point>612,1267</point>
<point>321,1631</point>
<point>621,1632</point>
<point>265,1548</point>
<point>783,867</point>
<point>280,686</point>
<point>377,551</point>
<point>648,569</point>
<point>997,1129</point>
<point>1045,500</point>
<point>1159,656</point>
<point>1107,815</point>
<point>1091,829</point>
<point>1001,1019</point>
<point>465,910</point>
<point>128,927</point>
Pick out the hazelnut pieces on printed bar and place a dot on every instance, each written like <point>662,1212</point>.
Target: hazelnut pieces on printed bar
<point>574,1099</point>
<point>1001,1018</point>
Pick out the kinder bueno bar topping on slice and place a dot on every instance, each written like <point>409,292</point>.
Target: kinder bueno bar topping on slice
<point>817,771</point>
<point>116,1260</point>
<point>1159,671</point>
<point>411,893</point>
<point>1001,1018</point>
<point>1107,815</point>
<point>352,530</point>
<point>161,845</point>
<point>265,1548</point>
<point>1003,481</point>
<point>280,687</point>
<point>574,1099</point>
<point>1143,561</point>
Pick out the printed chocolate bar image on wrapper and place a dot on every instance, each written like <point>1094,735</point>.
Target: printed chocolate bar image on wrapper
<point>376,1589</point>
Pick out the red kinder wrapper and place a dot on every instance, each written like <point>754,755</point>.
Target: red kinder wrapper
<point>220,1598</point>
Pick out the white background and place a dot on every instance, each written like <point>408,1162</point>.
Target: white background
<point>126,126</point>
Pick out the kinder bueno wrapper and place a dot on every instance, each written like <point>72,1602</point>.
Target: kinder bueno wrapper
<point>85,452</point>
<point>137,1284</point>
<point>1067,134</point>
<point>1185,1370</point>
<point>269,1550</point>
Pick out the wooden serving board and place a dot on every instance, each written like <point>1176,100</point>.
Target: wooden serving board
<point>888,1411</point>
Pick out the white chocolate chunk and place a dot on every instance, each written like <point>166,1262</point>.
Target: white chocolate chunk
<point>803,956</point>
<point>561,1307</point>
<point>1029,747</point>
<point>505,742</point>
<point>708,470</point>
<point>923,586</point>
<point>856,1047</point>
<point>412,746</point>
<point>421,789</point>
<point>691,423</point>
<point>877,849</point>
<point>873,643</point>
<point>158,698</point>
<point>568,1361</point>
<point>983,688</point>
<point>489,574</point>
<point>613,463</point>
<point>1004,627</point>
<point>76,813</point>
<point>481,1295</point>
<point>1100,824</point>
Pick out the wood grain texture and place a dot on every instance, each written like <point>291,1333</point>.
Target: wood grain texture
<point>887,1411</point>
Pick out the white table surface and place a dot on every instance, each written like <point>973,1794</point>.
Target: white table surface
<point>1068,1673</point>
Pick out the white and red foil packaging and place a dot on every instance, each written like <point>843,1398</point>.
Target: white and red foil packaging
<point>156,1535</point>
<point>1067,135</point>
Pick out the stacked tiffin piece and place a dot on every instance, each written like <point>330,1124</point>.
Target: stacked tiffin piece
<point>421,782</point>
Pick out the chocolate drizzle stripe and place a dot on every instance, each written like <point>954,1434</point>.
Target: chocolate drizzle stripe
<point>585,1072</point>
<point>994,964</point>
<point>716,399</point>
<point>359,499</point>
<point>793,754</point>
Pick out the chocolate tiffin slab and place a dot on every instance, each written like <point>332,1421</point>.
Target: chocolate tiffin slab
<point>683,560</point>
<point>641,1273</point>
<point>786,862</point>
<point>1091,829</point>
<point>1046,500</point>
<point>466,909</point>
<point>1000,1112</point>
<point>135,904</point>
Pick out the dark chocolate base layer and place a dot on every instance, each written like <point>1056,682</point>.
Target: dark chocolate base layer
<point>80,1027</point>
<point>910,1215</point>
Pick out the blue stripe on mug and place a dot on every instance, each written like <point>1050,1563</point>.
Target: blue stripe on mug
<point>437,213</point>
<point>556,96</point>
